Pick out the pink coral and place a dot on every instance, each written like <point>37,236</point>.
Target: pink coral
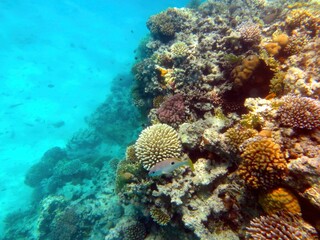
<point>173,110</point>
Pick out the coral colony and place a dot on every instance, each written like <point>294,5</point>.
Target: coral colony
<point>232,85</point>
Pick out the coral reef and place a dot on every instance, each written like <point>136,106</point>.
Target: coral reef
<point>232,85</point>
<point>157,143</point>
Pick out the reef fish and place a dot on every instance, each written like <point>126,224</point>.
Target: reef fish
<point>168,166</point>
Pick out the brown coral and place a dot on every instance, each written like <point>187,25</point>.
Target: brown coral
<point>280,226</point>
<point>279,199</point>
<point>272,48</point>
<point>243,72</point>
<point>299,112</point>
<point>131,153</point>
<point>250,32</point>
<point>237,135</point>
<point>263,164</point>
<point>159,216</point>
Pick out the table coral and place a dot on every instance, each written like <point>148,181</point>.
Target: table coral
<point>157,143</point>
<point>263,164</point>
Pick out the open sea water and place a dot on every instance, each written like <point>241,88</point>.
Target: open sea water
<point>57,60</point>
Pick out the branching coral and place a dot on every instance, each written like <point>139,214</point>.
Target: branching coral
<point>157,143</point>
<point>263,163</point>
<point>299,112</point>
<point>172,110</point>
<point>279,199</point>
<point>280,226</point>
<point>250,32</point>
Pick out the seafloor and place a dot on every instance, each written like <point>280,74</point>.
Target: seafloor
<point>232,85</point>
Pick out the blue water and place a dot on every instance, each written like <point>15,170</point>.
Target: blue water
<point>57,60</point>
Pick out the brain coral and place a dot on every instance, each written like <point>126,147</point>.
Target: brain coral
<point>279,199</point>
<point>157,143</point>
<point>280,226</point>
<point>299,112</point>
<point>243,72</point>
<point>263,164</point>
<point>172,110</point>
<point>159,216</point>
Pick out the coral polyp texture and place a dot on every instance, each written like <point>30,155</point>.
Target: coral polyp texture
<point>157,143</point>
<point>263,164</point>
<point>280,226</point>
<point>299,112</point>
<point>280,199</point>
<point>172,110</point>
<point>250,32</point>
<point>159,216</point>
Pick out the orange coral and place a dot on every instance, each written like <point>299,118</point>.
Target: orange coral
<point>263,163</point>
<point>282,39</point>
<point>279,199</point>
<point>160,216</point>
<point>272,48</point>
<point>244,71</point>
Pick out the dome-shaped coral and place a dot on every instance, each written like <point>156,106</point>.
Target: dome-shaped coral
<point>263,164</point>
<point>279,199</point>
<point>134,230</point>
<point>237,135</point>
<point>157,143</point>
<point>159,216</point>
<point>243,72</point>
<point>280,226</point>
<point>299,112</point>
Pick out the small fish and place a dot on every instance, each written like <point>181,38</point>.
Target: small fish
<point>168,166</point>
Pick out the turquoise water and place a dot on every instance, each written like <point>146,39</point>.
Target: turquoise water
<point>57,62</point>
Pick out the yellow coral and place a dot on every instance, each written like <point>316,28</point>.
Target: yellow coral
<point>279,199</point>
<point>272,48</point>
<point>160,216</point>
<point>237,135</point>
<point>263,163</point>
<point>157,143</point>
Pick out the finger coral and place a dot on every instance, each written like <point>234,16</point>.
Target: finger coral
<point>157,143</point>
<point>263,164</point>
<point>159,216</point>
<point>279,199</point>
<point>280,226</point>
<point>299,112</point>
<point>172,110</point>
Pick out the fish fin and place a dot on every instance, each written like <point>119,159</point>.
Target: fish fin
<point>190,163</point>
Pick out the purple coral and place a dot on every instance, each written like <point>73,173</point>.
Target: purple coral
<point>299,112</point>
<point>172,110</point>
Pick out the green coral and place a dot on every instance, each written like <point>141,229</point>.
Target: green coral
<point>126,172</point>
<point>179,50</point>
<point>276,83</point>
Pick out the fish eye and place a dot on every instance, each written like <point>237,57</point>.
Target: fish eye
<point>153,172</point>
<point>172,163</point>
